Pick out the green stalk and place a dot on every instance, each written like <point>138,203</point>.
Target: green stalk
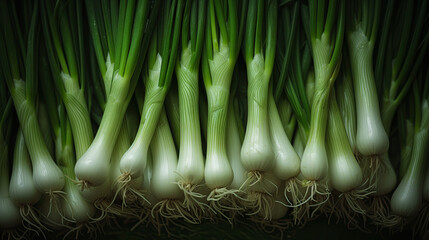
<point>347,104</point>
<point>70,84</point>
<point>409,43</point>
<point>173,114</point>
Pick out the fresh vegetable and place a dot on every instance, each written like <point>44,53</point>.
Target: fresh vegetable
<point>171,116</point>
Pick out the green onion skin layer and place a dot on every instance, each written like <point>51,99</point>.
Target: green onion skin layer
<point>407,198</point>
<point>191,159</point>
<point>22,189</point>
<point>93,166</point>
<point>371,138</point>
<point>314,161</point>
<point>287,162</point>
<point>217,170</point>
<point>47,176</point>
<point>344,172</point>
<point>9,212</point>
<point>163,183</point>
<point>233,148</point>
<point>386,177</point>
<point>257,153</point>
<point>133,162</point>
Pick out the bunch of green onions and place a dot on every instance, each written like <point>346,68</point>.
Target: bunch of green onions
<point>163,112</point>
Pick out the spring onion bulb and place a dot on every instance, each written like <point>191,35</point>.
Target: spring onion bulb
<point>407,198</point>
<point>75,207</point>
<point>326,43</point>
<point>123,143</point>
<point>133,162</point>
<point>127,190</point>
<point>22,190</point>
<point>163,183</point>
<point>218,172</point>
<point>345,174</point>
<point>190,166</point>
<point>371,137</point>
<point>257,155</point>
<point>386,177</point>
<point>47,176</point>
<point>72,206</point>
<point>92,169</point>
<point>233,148</point>
<point>10,216</point>
<point>287,162</point>
<point>161,66</point>
<point>99,194</point>
<point>164,162</point>
<point>344,171</point>
<point>218,62</point>
<point>95,194</point>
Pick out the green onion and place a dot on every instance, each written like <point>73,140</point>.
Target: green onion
<point>223,38</point>
<point>10,216</point>
<point>408,196</point>
<point>118,61</point>
<point>47,176</point>
<point>161,62</point>
<point>326,35</point>
<point>190,166</point>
